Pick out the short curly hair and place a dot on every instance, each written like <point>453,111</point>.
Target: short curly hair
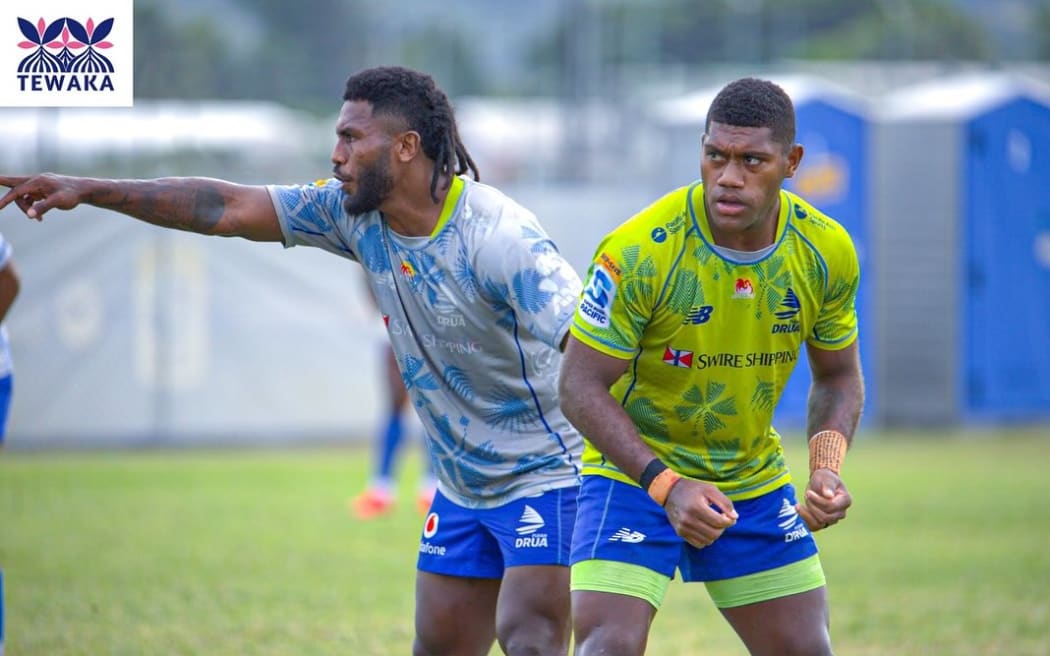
<point>753,103</point>
<point>416,98</point>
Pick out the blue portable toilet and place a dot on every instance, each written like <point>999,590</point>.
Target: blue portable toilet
<point>963,169</point>
<point>833,128</point>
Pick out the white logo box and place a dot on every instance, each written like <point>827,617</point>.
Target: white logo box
<point>83,58</point>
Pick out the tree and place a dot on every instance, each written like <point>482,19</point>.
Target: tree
<point>308,49</point>
<point>905,29</point>
<point>457,70</point>
<point>1041,28</point>
<point>182,59</point>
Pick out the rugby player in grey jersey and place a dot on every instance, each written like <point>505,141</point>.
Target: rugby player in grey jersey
<point>477,301</point>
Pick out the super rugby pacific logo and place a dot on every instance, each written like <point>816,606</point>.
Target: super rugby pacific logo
<point>66,55</point>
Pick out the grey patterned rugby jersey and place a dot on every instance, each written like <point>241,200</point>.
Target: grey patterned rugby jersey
<point>475,313</point>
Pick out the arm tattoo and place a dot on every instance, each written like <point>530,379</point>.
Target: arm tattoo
<point>835,404</point>
<point>190,204</point>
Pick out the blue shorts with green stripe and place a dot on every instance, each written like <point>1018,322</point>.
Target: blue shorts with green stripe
<point>624,543</point>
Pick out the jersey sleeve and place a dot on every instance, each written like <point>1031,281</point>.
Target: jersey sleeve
<point>618,297</point>
<point>518,264</point>
<point>836,326</point>
<point>312,215</point>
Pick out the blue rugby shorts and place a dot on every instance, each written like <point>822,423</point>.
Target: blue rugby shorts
<point>483,542</point>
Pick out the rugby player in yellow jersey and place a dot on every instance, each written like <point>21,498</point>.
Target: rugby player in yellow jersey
<point>693,317</point>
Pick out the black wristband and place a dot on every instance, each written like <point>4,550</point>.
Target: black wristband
<point>651,471</point>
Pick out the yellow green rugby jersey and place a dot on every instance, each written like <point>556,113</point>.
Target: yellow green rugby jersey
<point>711,341</point>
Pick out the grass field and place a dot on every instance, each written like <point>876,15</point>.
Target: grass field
<point>947,551</point>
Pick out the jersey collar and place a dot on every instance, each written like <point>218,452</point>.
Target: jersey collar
<point>455,190</point>
<point>698,212</point>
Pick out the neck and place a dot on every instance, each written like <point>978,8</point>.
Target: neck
<point>410,210</point>
<point>753,238</point>
<point>750,240</point>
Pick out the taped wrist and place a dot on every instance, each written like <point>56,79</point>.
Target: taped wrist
<point>827,450</point>
<point>657,479</point>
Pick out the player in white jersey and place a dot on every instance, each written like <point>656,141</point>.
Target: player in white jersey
<point>477,302</point>
<point>9,287</point>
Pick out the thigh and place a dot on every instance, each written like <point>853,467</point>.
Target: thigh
<point>533,613</point>
<point>609,623</point>
<point>624,554</point>
<point>457,582</point>
<point>795,625</point>
<point>454,615</point>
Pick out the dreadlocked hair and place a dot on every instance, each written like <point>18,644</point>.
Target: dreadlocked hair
<point>416,98</point>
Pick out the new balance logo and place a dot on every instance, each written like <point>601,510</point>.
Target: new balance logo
<point>530,521</point>
<point>699,314</point>
<point>627,535</point>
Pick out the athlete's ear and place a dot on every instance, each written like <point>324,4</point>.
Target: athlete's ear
<point>794,158</point>
<point>407,145</point>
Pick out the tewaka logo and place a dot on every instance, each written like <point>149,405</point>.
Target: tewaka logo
<point>65,56</point>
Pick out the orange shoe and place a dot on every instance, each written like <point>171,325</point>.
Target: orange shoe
<point>423,501</point>
<point>371,503</point>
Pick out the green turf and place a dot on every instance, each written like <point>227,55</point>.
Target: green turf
<point>947,551</point>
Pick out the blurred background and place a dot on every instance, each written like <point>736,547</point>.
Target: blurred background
<point>926,125</point>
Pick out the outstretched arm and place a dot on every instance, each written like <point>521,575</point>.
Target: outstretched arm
<point>203,205</point>
<point>836,399</point>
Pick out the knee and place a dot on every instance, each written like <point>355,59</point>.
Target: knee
<point>531,645</point>
<point>611,640</point>
<point>540,636</point>
<point>800,643</point>
<point>452,643</point>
